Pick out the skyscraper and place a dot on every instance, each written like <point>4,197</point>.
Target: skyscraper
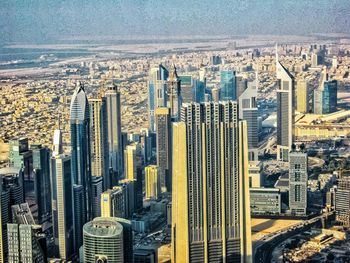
<point>114,133</point>
<point>11,193</point>
<point>103,241</point>
<point>80,146</point>
<point>27,242</point>
<point>173,94</point>
<point>210,198</point>
<point>285,111</point>
<point>20,156</point>
<point>152,182</point>
<point>325,97</point>
<point>156,92</point>
<point>133,170</point>
<point>228,85</point>
<point>298,182</point>
<point>163,128</point>
<point>79,209</point>
<point>62,204</point>
<point>114,202</point>
<point>248,111</point>
<point>342,201</point>
<point>99,141</point>
<point>302,96</point>
<point>42,188</point>
<point>97,189</point>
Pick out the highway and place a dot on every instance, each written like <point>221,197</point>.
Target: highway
<point>262,249</point>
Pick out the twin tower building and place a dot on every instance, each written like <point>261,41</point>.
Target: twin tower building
<point>209,176</point>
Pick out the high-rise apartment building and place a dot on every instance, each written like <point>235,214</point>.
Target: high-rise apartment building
<point>298,182</point>
<point>342,201</point>
<point>114,133</point>
<point>103,241</point>
<point>163,128</point>
<point>228,85</point>
<point>152,182</point>
<point>156,92</point>
<point>285,111</point>
<point>62,203</point>
<point>302,96</point>
<point>210,198</point>
<point>99,141</point>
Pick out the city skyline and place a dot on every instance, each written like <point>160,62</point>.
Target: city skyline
<point>174,131</point>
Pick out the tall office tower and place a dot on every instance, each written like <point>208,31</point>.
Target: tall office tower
<point>302,96</point>
<point>79,215</point>
<point>173,94</point>
<point>325,97</point>
<point>21,157</point>
<point>298,182</point>
<point>163,128</point>
<point>314,60</point>
<point>146,145</point>
<point>114,133</point>
<point>152,182</point>
<point>11,193</point>
<point>42,187</point>
<point>210,198</point>
<point>156,92</point>
<point>248,111</point>
<point>133,170</point>
<point>342,201</point>
<point>228,85</point>
<point>61,196</point>
<point>80,146</point>
<point>241,84</point>
<point>187,84</point>
<point>27,242</point>
<point>103,241</point>
<point>285,111</point>
<point>99,141</point>
<point>198,92</point>
<point>97,189</point>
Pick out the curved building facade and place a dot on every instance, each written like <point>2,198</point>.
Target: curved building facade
<point>103,241</point>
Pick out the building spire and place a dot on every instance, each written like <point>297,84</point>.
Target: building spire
<point>276,52</point>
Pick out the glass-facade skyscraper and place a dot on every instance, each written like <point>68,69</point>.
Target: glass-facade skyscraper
<point>62,203</point>
<point>285,111</point>
<point>228,85</point>
<point>156,92</point>
<point>80,157</point>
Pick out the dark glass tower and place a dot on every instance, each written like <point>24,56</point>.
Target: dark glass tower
<point>41,170</point>
<point>80,151</point>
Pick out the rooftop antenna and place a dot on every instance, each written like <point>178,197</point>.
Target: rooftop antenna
<point>276,52</point>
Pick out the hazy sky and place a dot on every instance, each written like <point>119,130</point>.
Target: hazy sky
<point>41,20</point>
